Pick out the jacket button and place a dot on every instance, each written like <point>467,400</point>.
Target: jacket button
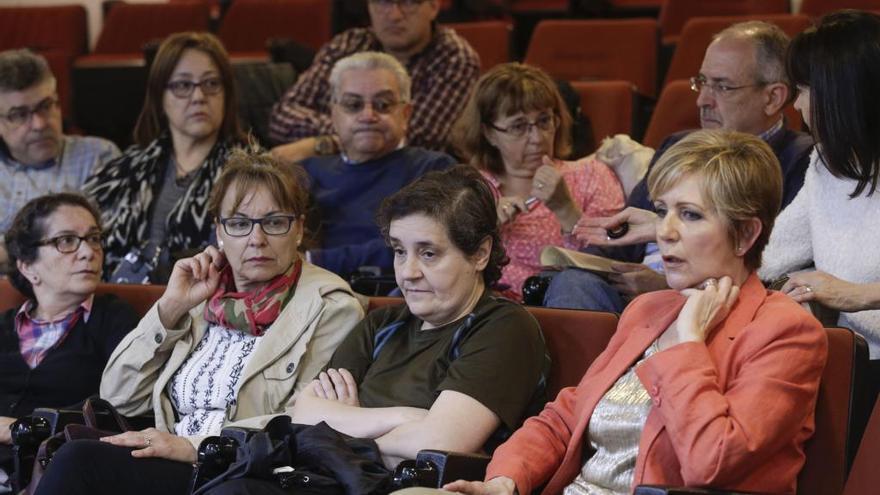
<point>158,338</point>
<point>290,368</point>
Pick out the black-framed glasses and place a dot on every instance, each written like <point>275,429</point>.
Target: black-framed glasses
<point>544,123</point>
<point>271,225</point>
<point>406,6</point>
<point>184,89</point>
<point>19,116</point>
<point>717,88</point>
<point>353,105</point>
<point>69,243</point>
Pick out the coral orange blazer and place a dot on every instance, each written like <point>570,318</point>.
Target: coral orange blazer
<point>731,413</point>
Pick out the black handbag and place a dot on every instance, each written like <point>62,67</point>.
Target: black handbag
<point>92,408</point>
<point>306,459</point>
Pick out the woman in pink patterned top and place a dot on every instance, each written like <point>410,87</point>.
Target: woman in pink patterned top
<point>514,129</point>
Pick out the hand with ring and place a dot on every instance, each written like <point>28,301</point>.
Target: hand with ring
<point>830,291</point>
<point>550,188</point>
<point>155,443</point>
<point>509,207</point>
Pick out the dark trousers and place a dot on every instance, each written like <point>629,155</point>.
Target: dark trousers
<point>92,467</point>
<point>249,486</point>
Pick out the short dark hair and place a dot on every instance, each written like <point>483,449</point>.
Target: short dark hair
<point>152,120</point>
<point>839,60</point>
<point>29,227</point>
<point>22,69</point>
<point>459,199</point>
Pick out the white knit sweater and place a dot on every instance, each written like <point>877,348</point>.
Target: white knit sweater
<point>839,234</point>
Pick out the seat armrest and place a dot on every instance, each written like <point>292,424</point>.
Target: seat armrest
<point>435,468</point>
<point>240,435</point>
<point>683,490</point>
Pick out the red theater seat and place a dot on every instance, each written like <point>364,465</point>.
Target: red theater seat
<point>58,33</point>
<point>590,50</point>
<point>248,25</point>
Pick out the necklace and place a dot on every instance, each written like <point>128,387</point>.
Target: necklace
<point>182,177</point>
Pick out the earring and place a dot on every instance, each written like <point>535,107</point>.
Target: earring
<point>220,244</point>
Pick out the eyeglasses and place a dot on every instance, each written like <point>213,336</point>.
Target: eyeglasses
<point>69,243</point>
<point>520,128</point>
<point>700,82</point>
<point>406,6</point>
<point>19,116</point>
<point>354,105</point>
<point>183,89</point>
<point>271,225</point>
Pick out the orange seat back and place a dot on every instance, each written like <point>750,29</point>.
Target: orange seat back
<point>608,105</point>
<point>864,476</point>
<point>675,13</point>
<point>128,27</point>
<point>141,297</point>
<point>676,110</point>
<point>598,50</point>
<point>248,25</point>
<point>818,8</point>
<point>490,39</point>
<point>841,413</point>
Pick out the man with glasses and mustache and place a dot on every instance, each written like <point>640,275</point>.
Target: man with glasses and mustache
<point>35,157</point>
<point>742,86</point>
<point>442,65</point>
<point>370,106</point>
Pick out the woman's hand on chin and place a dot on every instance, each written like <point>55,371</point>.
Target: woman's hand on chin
<point>500,485</point>
<point>154,443</point>
<point>192,281</point>
<point>705,308</point>
<point>549,187</point>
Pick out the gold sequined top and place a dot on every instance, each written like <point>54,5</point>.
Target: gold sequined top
<point>614,432</point>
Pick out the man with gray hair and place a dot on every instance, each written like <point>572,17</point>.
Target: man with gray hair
<point>35,157</point>
<point>370,106</point>
<point>742,86</point>
<point>442,65</point>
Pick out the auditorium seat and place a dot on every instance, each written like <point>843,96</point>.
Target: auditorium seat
<point>698,33</point>
<point>676,110</point>
<point>249,25</point>
<point>864,477</point>
<point>128,27</point>
<point>59,33</point>
<point>674,13</point>
<point>841,414</point>
<point>141,297</point>
<point>608,105</point>
<point>818,8</point>
<point>490,39</point>
<point>589,50</point>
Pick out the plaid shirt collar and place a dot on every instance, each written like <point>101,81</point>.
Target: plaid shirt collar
<point>37,337</point>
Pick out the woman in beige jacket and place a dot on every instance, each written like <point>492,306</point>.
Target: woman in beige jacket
<point>237,333</point>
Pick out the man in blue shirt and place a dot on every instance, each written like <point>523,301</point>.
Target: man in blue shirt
<point>35,157</point>
<point>370,110</point>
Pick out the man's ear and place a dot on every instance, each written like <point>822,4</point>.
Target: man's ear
<point>776,97</point>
